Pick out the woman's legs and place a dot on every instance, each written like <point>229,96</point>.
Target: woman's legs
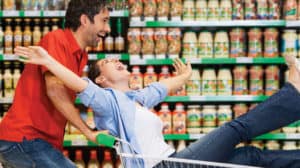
<point>279,110</point>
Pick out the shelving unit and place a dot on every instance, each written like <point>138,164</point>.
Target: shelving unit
<point>216,99</point>
<point>80,140</point>
<point>211,61</point>
<point>167,61</point>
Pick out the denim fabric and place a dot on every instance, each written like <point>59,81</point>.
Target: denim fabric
<point>30,154</point>
<point>219,145</point>
<point>266,158</point>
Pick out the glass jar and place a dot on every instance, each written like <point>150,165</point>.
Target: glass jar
<point>193,86</point>
<point>224,82</point>
<point>209,114</point>
<point>224,114</point>
<point>209,82</point>
<point>271,42</point>
<point>193,119</point>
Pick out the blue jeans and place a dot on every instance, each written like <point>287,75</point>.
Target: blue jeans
<point>32,153</point>
<point>279,110</point>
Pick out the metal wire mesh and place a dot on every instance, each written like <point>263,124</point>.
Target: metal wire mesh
<point>132,160</point>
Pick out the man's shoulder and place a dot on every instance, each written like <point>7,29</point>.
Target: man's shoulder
<point>58,35</point>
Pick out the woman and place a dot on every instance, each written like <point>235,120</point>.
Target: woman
<point>125,112</point>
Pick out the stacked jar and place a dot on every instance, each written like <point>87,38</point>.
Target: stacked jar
<point>160,43</point>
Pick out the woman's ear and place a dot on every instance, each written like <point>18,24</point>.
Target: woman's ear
<point>99,80</point>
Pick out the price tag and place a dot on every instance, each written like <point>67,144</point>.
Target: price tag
<point>160,56</point>
<point>10,13</point>
<point>197,98</point>
<point>135,22</point>
<point>92,56</point>
<point>195,60</point>
<point>136,60</point>
<point>243,98</point>
<point>173,56</point>
<point>196,136</point>
<point>6,100</point>
<point>244,60</point>
<point>292,136</point>
<point>32,13</point>
<point>79,142</point>
<point>118,56</point>
<point>10,57</point>
<point>118,13</point>
<point>51,13</point>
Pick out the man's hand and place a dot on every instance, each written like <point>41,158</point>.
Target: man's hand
<point>92,136</point>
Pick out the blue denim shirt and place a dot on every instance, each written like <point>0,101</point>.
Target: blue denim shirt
<point>114,110</point>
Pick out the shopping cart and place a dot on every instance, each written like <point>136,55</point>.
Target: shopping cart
<point>132,160</point>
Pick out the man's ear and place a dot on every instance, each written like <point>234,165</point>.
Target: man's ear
<point>100,80</point>
<point>84,20</point>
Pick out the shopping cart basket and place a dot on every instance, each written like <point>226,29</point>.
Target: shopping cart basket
<point>132,160</point>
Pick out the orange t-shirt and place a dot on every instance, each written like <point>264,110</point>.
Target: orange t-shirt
<point>32,114</point>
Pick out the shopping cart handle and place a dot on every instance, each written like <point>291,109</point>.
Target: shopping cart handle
<point>106,140</point>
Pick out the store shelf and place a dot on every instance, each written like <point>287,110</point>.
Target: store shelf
<point>55,13</point>
<point>80,140</point>
<point>205,99</point>
<point>295,24</point>
<point>216,61</point>
<point>77,140</point>
<point>12,57</point>
<point>242,98</point>
<point>232,23</point>
<point>269,136</point>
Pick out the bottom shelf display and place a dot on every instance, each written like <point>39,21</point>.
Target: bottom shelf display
<point>80,140</point>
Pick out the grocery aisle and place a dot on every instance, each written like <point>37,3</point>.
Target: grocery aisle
<point>235,48</point>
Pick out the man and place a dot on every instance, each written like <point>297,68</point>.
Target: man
<point>31,134</point>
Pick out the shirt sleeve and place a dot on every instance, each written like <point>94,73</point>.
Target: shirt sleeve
<point>54,48</point>
<point>99,99</point>
<point>151,95</point>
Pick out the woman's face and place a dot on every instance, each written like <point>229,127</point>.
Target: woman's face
<point>113,70</point>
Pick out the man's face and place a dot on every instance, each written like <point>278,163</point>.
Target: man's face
<point>99,28</point>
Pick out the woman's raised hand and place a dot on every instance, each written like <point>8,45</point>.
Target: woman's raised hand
<point>33,55</point>
<point>181,68</point>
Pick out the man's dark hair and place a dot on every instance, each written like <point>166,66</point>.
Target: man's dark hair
<point>94,71</point>
<point>78,7</point>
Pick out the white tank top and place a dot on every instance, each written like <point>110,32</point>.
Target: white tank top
<point>148,130</point>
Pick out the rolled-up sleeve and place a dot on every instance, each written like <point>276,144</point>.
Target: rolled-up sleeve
<point>95,97</point>
<point>151,95</point>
